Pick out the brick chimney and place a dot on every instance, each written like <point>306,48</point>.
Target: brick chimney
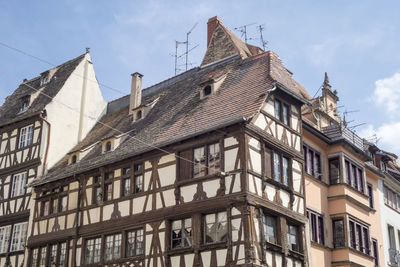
<point>211,25</point>
<point>136,91</point>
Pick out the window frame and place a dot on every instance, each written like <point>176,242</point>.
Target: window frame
<point>135,242</point>
<point>217,221</point>
<point>22,181</point>
<point>267,236</point>
<point>317,229</point>
<point>293,246</point>
<point>207,168</point>
<point>54,201</point>
<point>185,235</point>
<point>354,175</point>
<point>281,158</point>
<point>315,169</point>
<point>358,240</point>
<point>25,137</point>
<point>5,240</point>
<point>370,193</point>
<point>114,242</point>
<point>93,256</point>
<point>338,241</point>
<point>21,238</point>
<point>285,119</point>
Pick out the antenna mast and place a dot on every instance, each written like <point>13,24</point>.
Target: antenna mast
<point>243,30</point>
<point>261,28</point>
<point>186,54</point>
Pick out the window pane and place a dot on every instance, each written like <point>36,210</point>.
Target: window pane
<point>216,227</point>
<point>277,167</point>
<point>286,114</point>
<point>35,257</point>
<point>112,247</point>
<point>63,203</point>
<point>214,164</point>
<point>199,165</point>
<point>63,251</point>
<point>338,233</point>
<point>4,238</point>
<point>18,186</point>
<point>126,190</point>
<point>19,236</point>
<point>43,252</point>
<point>270,229</point>
<point>285,164</point>
<point>181,233</point>
<point>334,171</point>
<point>278,114</point>
<point>138,183</point>
<point>134,243</point>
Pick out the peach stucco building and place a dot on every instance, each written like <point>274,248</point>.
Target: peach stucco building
<point>341,189</point>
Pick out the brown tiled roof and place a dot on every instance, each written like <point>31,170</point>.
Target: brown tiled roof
<point>9,111</point>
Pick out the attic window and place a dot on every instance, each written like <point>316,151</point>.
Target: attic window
<point>73,159</point>
<point>207,90</point>
<point>139,115</point>
<point>44,79</point>
<point>24,104</point>
<point>107,146</point>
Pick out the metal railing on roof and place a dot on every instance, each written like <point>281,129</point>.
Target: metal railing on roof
<point>338,132</point>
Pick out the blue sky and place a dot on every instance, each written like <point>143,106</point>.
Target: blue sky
<point>356,42</point>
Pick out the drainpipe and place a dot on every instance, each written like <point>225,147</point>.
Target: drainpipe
<point>48,143</point>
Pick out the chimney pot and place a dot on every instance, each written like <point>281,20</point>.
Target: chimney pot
<point>211,26</point>
<point>136,91</point>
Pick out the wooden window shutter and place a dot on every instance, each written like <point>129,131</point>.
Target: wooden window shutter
<point>185,165</point>
<point>267,160</point>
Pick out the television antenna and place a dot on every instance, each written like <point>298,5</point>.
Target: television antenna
<point>186,53</point>
<point>243,30</point>
<point>264,43</point>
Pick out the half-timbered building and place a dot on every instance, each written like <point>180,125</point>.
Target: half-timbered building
<point>33,126</point>
<point>202,169</point>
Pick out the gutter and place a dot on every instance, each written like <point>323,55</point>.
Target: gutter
<point>48,143</point>
<point>117,157</point>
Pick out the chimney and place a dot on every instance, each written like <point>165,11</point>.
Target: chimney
<point>136,91</point>
<point>211,26</point>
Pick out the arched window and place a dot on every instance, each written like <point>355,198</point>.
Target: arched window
<point>73,159</point>
<point>108,146</point>
<point>207,90</point>
<point>139,115</point>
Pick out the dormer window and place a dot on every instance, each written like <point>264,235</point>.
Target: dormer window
<point>73,158</point>
<point>207,90</point>
<point>44,79</point>
<point>25,101</point>
<point>107,146</point>
<point>139,115</point>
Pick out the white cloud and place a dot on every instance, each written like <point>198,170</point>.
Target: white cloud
<point>387,93</point>
<point>387,134</point>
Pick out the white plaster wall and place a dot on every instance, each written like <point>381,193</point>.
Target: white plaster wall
<point>65,121</point>
<point>388,216</point>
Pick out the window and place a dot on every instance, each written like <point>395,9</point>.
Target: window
<point>206,160</point>
<point>134,243</point>
<point>25,136</point>
<point>359,237</point>
<point>57,202</point>
<point>391,199</point>
<point>281,167</point>
<point>58,254</point>
<point>316,222</point>
<point>73,159</point>
<point>312,162</point>
<point>278,110</point>
<point>112,248</point>
<point>5,232</point>
<point>216,227</point>
<point>292,237</point>
<point>92,250</point>
<point>42,260</point>
<point>270,231</point>
<point>107,147</point>
<point>375,251</point>
<point>18,185</point>
<point>282,112</point>
<point>207,90</point>
<point>354,175</point>
<point>139,115</point>
<point>181,233</point>
<point>338,233</point>
<point>370,195</point>
<point>334,171</point>
<point>19,236</point>
<point>24,104</point>
<point>35,257</point>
